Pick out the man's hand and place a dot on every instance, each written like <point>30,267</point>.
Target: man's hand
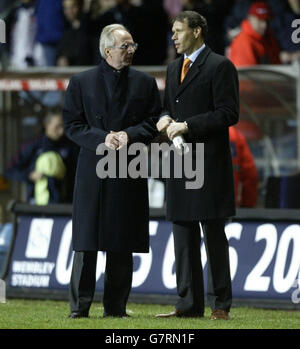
<point>176,128</point>
<point>35,176</point>
<point>164,123</point>
<point>116,140</point>
<point>123,139</point>
<point>112,140</point>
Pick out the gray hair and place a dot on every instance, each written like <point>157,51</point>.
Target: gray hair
<point>107,39</point>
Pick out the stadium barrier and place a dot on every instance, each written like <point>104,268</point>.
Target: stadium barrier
<point>264,248</point>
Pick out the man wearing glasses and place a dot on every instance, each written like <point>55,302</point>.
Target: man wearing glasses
<point>116,105</point>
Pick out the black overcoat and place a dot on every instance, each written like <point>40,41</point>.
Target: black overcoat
<point>109,214</point>
<point>208,100</point>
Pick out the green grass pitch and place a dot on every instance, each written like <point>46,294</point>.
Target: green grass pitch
<point>47,314</point>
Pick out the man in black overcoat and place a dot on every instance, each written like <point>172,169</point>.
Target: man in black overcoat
<point>115,105</point>
<point>202,95</point>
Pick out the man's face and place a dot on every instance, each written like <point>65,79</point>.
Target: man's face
<point>184,37</point>
<point>71,10</point>
<point>120,57</point>
<point>54,128</point>
<point>259,25</point>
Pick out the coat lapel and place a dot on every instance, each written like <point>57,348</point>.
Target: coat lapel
<point>174,75</point>
<point>193,71</point>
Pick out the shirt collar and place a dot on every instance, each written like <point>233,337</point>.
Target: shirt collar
<point>195,54</point>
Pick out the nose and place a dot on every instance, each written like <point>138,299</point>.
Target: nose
<point>174,36</point>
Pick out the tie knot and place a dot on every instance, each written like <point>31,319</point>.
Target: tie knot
<point>186,65</point>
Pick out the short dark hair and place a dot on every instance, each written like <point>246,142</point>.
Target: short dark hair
<point>194,20</point>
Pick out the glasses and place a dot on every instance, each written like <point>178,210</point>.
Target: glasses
<point>124,47</point>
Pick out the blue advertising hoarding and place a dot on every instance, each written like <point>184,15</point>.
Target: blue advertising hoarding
<point>264,258</point>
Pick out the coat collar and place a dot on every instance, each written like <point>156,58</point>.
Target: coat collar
<point>192,73</point>
<point>102,96</point>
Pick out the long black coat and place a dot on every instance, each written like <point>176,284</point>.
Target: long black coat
<point>109,214</point>
<point>208,99</point>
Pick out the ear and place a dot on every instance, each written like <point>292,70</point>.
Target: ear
<point>107,52</point>
<point>197,32</point>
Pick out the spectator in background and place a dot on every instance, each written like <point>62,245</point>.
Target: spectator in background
<point>255,44</point>
<point>51,153</point>
<point>232,22</point>
<point>152,38</point>
<point>244,170</point>
<point>94,9</point>
<point>21,29</point>
<point>139,21</point>
<point>50,27</point>
<point>122,13</point>
<point>286,11</point>
<point>173,7</point>
<point>75,45</point>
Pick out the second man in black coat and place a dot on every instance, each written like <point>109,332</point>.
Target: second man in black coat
<point>202,94</point>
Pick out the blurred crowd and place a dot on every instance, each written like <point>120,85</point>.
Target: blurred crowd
<point>66,32</point>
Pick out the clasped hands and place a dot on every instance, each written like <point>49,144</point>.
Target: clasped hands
<point>172,128</point>
<point>116,140</point>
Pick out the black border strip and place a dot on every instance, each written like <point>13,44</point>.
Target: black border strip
<point>255,214</point>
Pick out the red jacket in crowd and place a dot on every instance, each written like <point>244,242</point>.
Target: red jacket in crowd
<point>251,48</point>
<point>245,172</point>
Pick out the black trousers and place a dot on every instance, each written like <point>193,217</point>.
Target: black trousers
<point>189,273</point>
<point>117,282</point>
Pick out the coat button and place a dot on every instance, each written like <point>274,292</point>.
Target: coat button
<point>177,100</point>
